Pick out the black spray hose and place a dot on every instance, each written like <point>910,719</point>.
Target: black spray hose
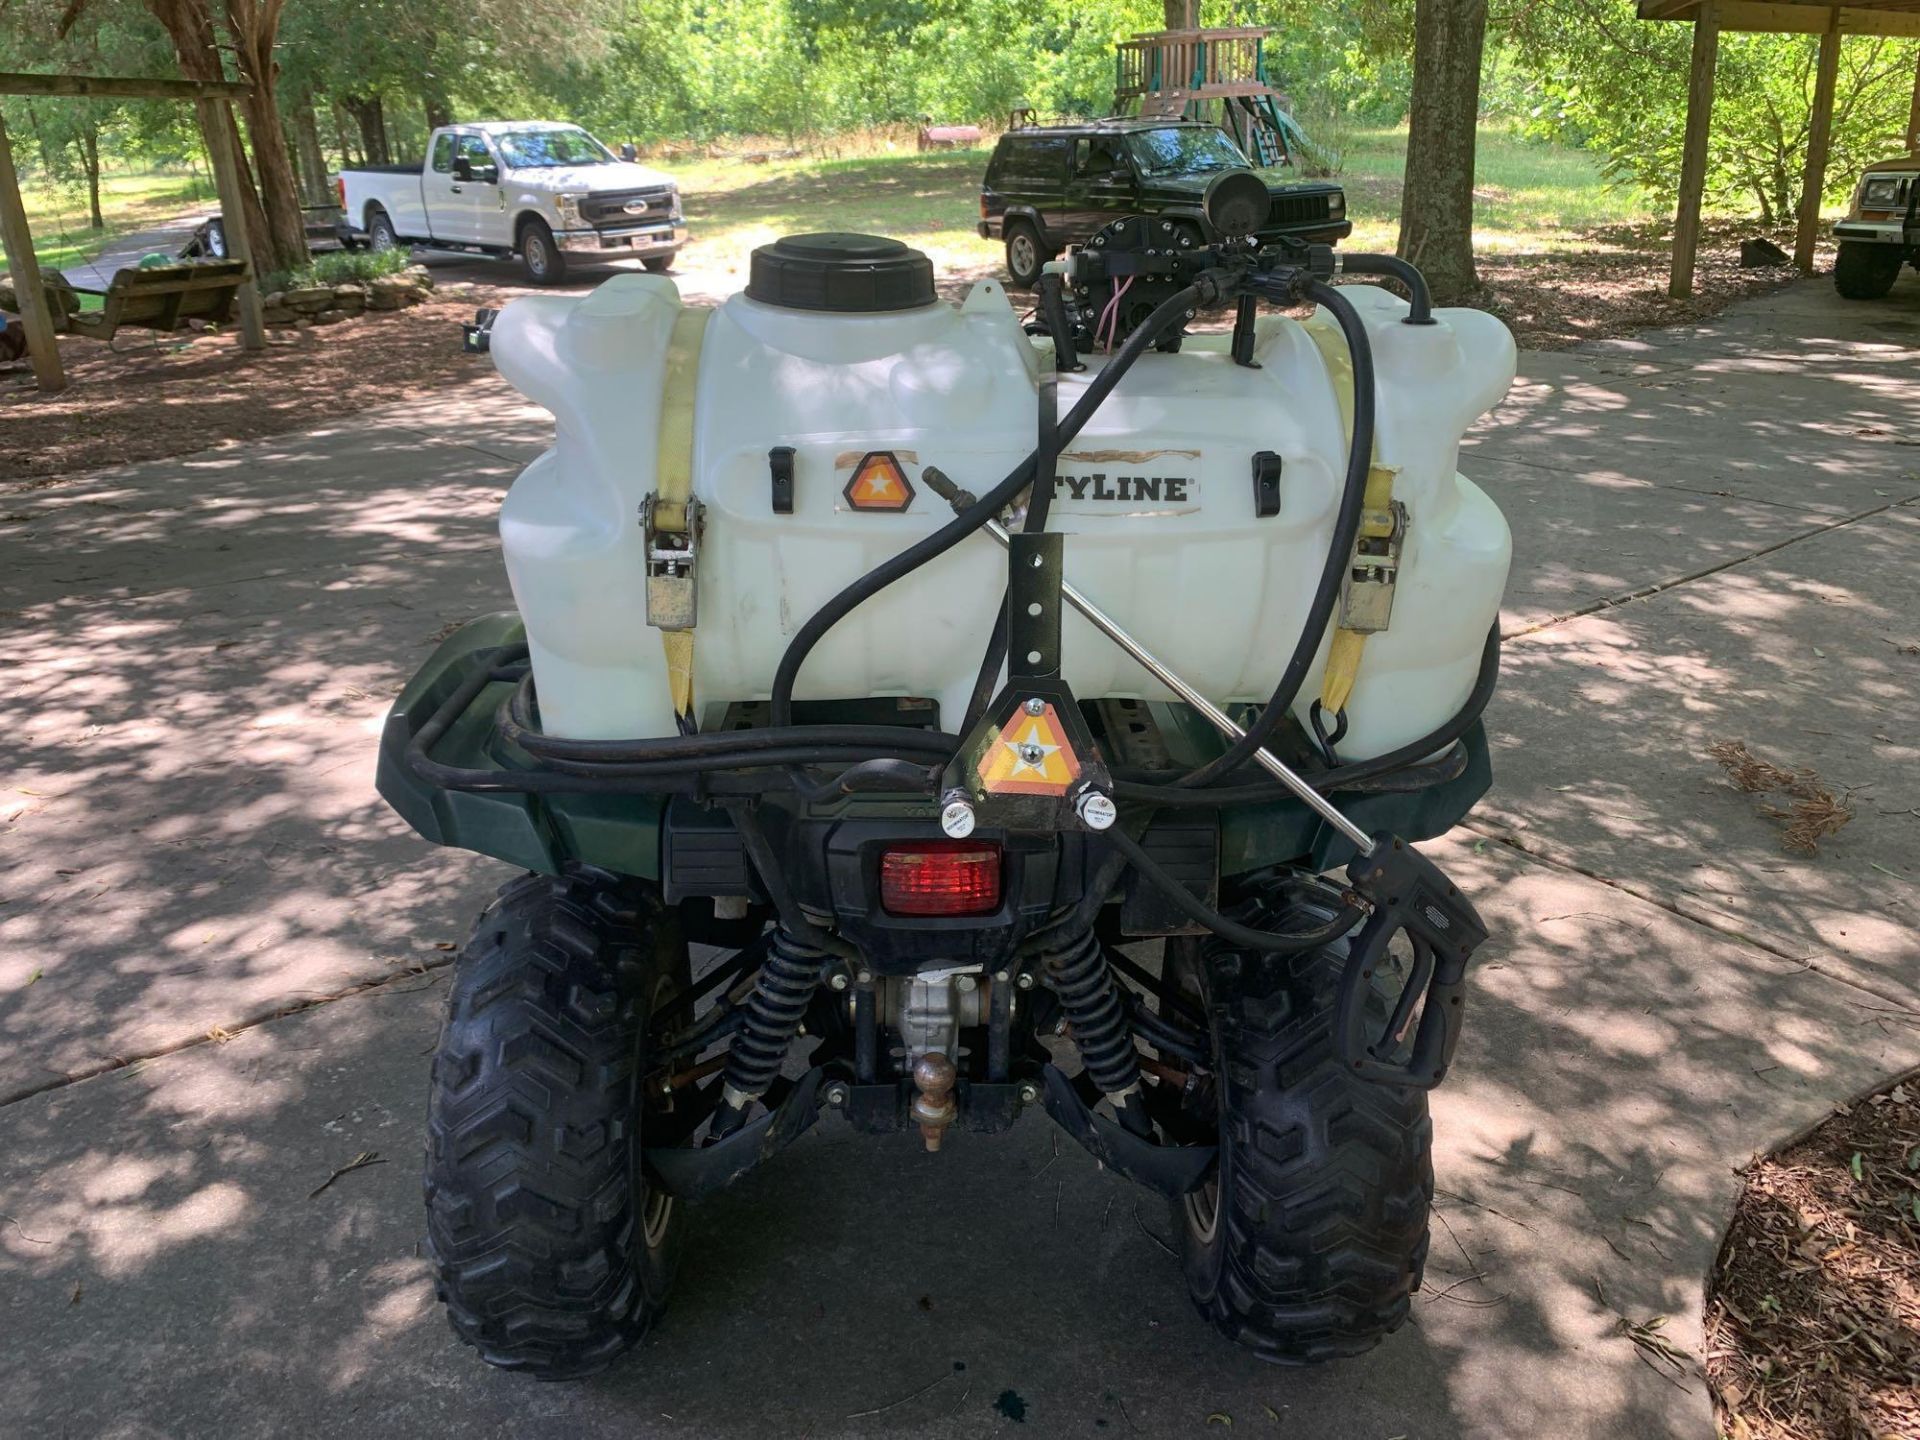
<point>766,864</point>
<point>1053,306</point>
<point>1346,532</point>
<point>973,517</point>
<point>884,774</point>
<point>1266,941</point>
<point>1392,267</point>
<point>713,747</point>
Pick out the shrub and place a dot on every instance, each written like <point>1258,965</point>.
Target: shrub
<point>339,267</point>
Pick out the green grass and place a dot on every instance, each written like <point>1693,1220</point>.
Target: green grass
<point>57,214</point>
<point>1529,197</point>
<point>930,201</point>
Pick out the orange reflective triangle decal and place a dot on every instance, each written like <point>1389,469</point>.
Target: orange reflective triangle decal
<point>879,483</point>
<point>1030,756</point>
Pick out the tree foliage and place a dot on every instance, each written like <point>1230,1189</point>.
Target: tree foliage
<point>364,79</point>
<point>1632,107</point>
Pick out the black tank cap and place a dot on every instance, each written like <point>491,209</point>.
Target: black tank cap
<point>847,274</point>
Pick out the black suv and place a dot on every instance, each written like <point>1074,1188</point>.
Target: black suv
<point>1051,186</point>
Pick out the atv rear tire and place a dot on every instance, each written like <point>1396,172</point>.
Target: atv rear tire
<point>553,1252</point>
<point>1309,1241</point>
<point>1863,271</point>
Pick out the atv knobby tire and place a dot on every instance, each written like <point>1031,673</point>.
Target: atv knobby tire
<point>553,1253</point>
<point>1310,1240</point>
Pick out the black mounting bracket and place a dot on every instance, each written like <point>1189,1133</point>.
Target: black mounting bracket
<point>1266,484</point>
<point>1029,761</point>
<point>780,478</point>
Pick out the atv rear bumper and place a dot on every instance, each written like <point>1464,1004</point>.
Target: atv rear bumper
<point>453,703</point>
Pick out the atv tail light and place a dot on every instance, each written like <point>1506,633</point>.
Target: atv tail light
<point>940,877</point>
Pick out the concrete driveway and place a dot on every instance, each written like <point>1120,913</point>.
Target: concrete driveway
<point>222,960</point>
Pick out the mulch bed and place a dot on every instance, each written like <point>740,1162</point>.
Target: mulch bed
<point>1553,301</point>
<point>1813,1312</point>
<point>194,392</point>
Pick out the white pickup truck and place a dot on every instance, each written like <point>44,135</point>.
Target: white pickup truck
<point>548,193</point>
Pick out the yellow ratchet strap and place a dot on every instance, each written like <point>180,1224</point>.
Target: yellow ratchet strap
<point>1377,522</point>
<point>671,515</point>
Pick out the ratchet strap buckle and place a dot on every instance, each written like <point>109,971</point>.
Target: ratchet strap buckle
<point>673,551</point>
<point>1411,898</point>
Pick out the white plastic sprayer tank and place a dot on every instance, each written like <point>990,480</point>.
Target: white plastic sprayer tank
<point>1156,495</point>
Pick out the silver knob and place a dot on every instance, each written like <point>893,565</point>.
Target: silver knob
<point>1095,810</point>
<point>956,819</point>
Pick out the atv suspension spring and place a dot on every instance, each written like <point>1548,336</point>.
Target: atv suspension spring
<point>769,1019</point>
<point>1078,974</point>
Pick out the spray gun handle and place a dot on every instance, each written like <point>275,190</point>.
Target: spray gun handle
<point>1410,896</point>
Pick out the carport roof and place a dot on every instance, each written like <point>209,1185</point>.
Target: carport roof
<point>1795,17</point>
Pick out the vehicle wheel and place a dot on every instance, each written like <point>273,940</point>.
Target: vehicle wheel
<point>540,256</point>
<point>1025,254</point>
<point>1864,271</point>
<point>658,264</point>
<point>215,242</point>
<point>1309,1240</point>
<point>553,1252</point>
<point>380,232</point>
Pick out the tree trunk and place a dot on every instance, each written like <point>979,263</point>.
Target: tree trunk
<point>189,25</point>
<point>90,157</point>
<point>368,114</point>
<point>342,138</point>
<point>306,145</point>
<point>1436,201</point>
<point>439,109</point>
<point>1182,14</point>
<point>252,26</point>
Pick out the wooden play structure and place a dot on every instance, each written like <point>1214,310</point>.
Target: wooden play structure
<point>1218,75</point>
<point>1832,23</point>
<point>143,300</point>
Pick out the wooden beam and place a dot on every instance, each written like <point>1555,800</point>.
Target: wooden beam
<point>1813,181</point>
<point>216,122</point>
<point>1693,155</point>
<point>1757,17</point>
<point>1893,24</point>
<point>118,87</point>
<point>43,347</point>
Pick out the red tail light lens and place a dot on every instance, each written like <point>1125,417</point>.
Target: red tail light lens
<point>940,877</point>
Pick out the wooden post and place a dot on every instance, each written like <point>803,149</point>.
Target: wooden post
<point>216,123</point>
<point>43,348</point>
<point>1819,134</point>
<point>1693,157</point>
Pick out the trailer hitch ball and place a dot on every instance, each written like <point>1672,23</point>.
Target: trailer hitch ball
<point>934,1076</point>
